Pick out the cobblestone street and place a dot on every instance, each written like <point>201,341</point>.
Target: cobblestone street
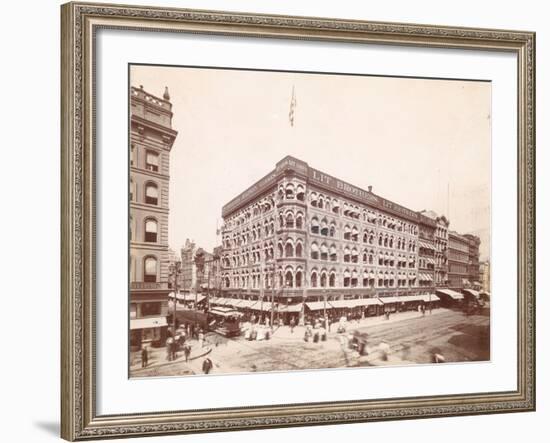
<point>407,338</point>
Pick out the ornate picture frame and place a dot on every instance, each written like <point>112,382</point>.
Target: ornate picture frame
<point>80,22</point>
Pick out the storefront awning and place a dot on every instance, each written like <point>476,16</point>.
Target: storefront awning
<point>401,299</point>
<point>317,305</point>
<point>195,298</point>
<point>247,303</point>
<point>149,322</point>
<point>472,292</point>
<point>367,302</point>
<point>430,298</point>
<point>342,303</point>
<point>450,293</point>
<point>297,307</point>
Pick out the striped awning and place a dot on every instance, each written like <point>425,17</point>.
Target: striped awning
<point>426,245</point>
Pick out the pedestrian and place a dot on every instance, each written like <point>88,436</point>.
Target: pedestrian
<point>187,352</point>
<point>144,357</point>
<point>423,310</point>
<point>292,324</point>
<point>207,365</point>
<point>169,341</point>
<point>201,339</point>
<point>174,348</point>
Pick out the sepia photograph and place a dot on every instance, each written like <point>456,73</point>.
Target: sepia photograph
<point>283,221</point>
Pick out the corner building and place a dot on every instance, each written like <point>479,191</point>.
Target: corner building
<point>151,140</point>
<point>300,242</point>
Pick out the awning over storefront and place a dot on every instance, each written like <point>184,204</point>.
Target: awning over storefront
<point>262,306</point>
<point>342,303</point>
<point>367,302</point>
<point>401,299</point>
<point>430,298</point>
<point>426,245</point>
<point>472,292</point>
<point>317,305</point>
<point>190,298</point>
<point>425,277</point>
<point>290,308</point>
<point>149,322</point>
<point>430,260</point>
<point>247,303</point>
<point>450,293</point>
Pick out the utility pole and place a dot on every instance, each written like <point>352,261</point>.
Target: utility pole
<point>175,271</point>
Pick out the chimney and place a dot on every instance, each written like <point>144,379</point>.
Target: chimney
<point>370,188</point>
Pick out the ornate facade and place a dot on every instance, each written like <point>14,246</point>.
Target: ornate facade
<point>299,237</point>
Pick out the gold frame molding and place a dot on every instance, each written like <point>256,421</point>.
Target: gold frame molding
<point>79,21</point>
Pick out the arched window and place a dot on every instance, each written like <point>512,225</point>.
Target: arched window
<point>333,255</point>
<point>320,203</point>
<point>314,279</point>
<point>324,280</point>
<point>354,278</point>
<point>324,227</point>
<point>289,250</point>
<point>346,255</point>
<point>313,199</point>
<point>299,249</point>
<point>289,279</point>
<point>335,206</point>
<point>314,225</point>
<point>315,251</point>
<point>324,252</point>
<point>300,195</point>
<point>354,255</point>
<point>355,234</point>
<point>332,280</point>
<point>332,230</point>
<point>347,233</point>
<point>289,191</point>
<point>290,220</point>
<point>151,231</point>
<point>298,279</point>
<point>346,278</point>
<point>365,279</point>
<point>150,269</point>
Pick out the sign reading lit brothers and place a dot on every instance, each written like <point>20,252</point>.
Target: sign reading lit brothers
<point>322,180</point>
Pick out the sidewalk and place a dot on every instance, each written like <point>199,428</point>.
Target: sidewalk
<point>157,356</point>
<point>283,332</point>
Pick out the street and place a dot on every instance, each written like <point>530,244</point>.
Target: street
<point>407,338</point>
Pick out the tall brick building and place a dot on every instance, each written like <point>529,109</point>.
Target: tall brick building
<point>151,140</point>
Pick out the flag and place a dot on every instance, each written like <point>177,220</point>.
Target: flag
<point>292,107</point>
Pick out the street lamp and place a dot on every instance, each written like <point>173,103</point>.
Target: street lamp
<point>175,272</point>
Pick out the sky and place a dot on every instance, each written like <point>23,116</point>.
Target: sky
<point>422,143</point>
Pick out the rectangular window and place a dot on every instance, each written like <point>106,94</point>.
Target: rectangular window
<point>152,161</point>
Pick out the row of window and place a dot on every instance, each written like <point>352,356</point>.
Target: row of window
<point>294,279</point>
